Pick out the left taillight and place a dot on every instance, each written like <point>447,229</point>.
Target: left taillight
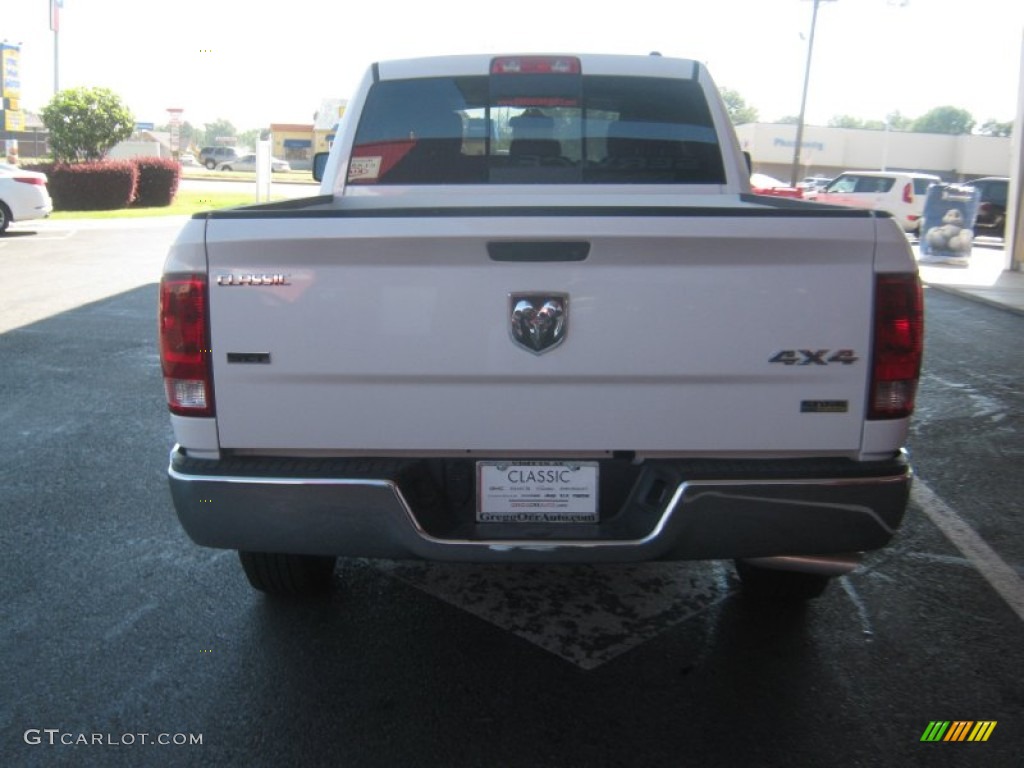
<point>908,193</point>
<point>185,344</point>
<point>898,347</point>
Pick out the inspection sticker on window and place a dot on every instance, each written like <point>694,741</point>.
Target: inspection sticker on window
<point>537,492</point>
<point>364,168</point>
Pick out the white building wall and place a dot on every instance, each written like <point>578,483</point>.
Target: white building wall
<point>129,149</point>
<point>829,151</point>
<point>900,150</point>
<point>993,155</point>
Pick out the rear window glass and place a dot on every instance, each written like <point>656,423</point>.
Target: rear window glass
<point>921,186</point>
<point>867,184</point>
<point>996,192</point>
<point>991,191</point>
<point>536,128</point>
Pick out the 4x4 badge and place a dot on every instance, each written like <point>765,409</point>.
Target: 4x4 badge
<point>814,357</point>
<point>538,320</point>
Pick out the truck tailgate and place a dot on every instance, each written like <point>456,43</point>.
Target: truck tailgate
<point>731,334</point>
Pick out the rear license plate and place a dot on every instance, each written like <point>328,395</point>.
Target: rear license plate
<point>536,492</point>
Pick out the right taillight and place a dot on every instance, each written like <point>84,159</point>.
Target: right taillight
<point>898,345</point>
<point>185,344</point>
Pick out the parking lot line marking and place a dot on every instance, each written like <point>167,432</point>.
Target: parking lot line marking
<point>51,234</point>
<point>867,629</point>
<point>997,573</point>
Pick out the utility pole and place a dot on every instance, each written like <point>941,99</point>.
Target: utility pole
<point>795,171</point>
<point>55,6</point>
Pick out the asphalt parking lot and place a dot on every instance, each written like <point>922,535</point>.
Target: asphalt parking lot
<point>119,631</point>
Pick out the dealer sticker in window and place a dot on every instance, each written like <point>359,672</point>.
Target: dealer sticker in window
<point>364,168</point>
<point>537,492</point>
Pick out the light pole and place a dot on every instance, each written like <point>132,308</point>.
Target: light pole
<point>55,6</point>
<point>795,172</point>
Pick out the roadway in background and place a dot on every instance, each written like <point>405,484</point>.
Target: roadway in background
<point>277,188</point>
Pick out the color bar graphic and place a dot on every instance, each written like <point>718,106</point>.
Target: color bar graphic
<point>982,730</point>
<point>935,731</point>
<point>958,730</point>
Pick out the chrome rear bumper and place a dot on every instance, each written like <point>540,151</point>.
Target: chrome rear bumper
<point>674,510</point>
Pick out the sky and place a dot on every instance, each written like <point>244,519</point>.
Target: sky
<point>260,63</point>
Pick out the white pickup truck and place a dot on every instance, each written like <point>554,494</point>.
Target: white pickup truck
<point>535,315</point>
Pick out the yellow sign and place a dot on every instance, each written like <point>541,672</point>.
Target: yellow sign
<point>10,83</point>
<point>13,104</point>
<point>14,121</point>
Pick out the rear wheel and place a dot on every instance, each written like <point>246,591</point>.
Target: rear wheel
<point>771,584</point>
<point>288,575</point>
<point>5,218</point>
<point>210,164</point>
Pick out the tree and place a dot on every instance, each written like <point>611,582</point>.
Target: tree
<point>188,134</point>
<point>845,121</point>
<point>995,128</point>
<point>249,138</point>
<point>898,122</point>
<point>952,120</point>
<point>849,121</point>
<point>219,129</point>
<point>737,108</point>
<point>84,123</point>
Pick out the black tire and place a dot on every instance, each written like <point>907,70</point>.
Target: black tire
<point>210,165</point>
<point>225,167</point>
<point>5,218</point>
<point>783,586</point>
<point>288,575</point>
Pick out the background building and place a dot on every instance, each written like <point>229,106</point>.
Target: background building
<point>326,126</point>
<point>292,142</point>
<point>143,143</point>
<point>830,151</point>
<point>32,140</point>
<point>298,143</point>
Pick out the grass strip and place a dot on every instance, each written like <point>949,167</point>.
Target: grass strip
<point>185,204</point>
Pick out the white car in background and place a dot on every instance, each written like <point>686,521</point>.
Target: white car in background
<point>248,163</point>
<point>23,195</point>
<point>812,185</point>
<point>901,194</point>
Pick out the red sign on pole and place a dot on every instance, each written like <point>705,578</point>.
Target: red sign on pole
<point>55,6</point>
<point>175,121</point>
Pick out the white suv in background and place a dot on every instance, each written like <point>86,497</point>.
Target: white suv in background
<point>901,194</point>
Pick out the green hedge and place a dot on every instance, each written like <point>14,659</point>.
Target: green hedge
<point>145,182</point>
<point>102,186</point>
<point>157,183</point>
